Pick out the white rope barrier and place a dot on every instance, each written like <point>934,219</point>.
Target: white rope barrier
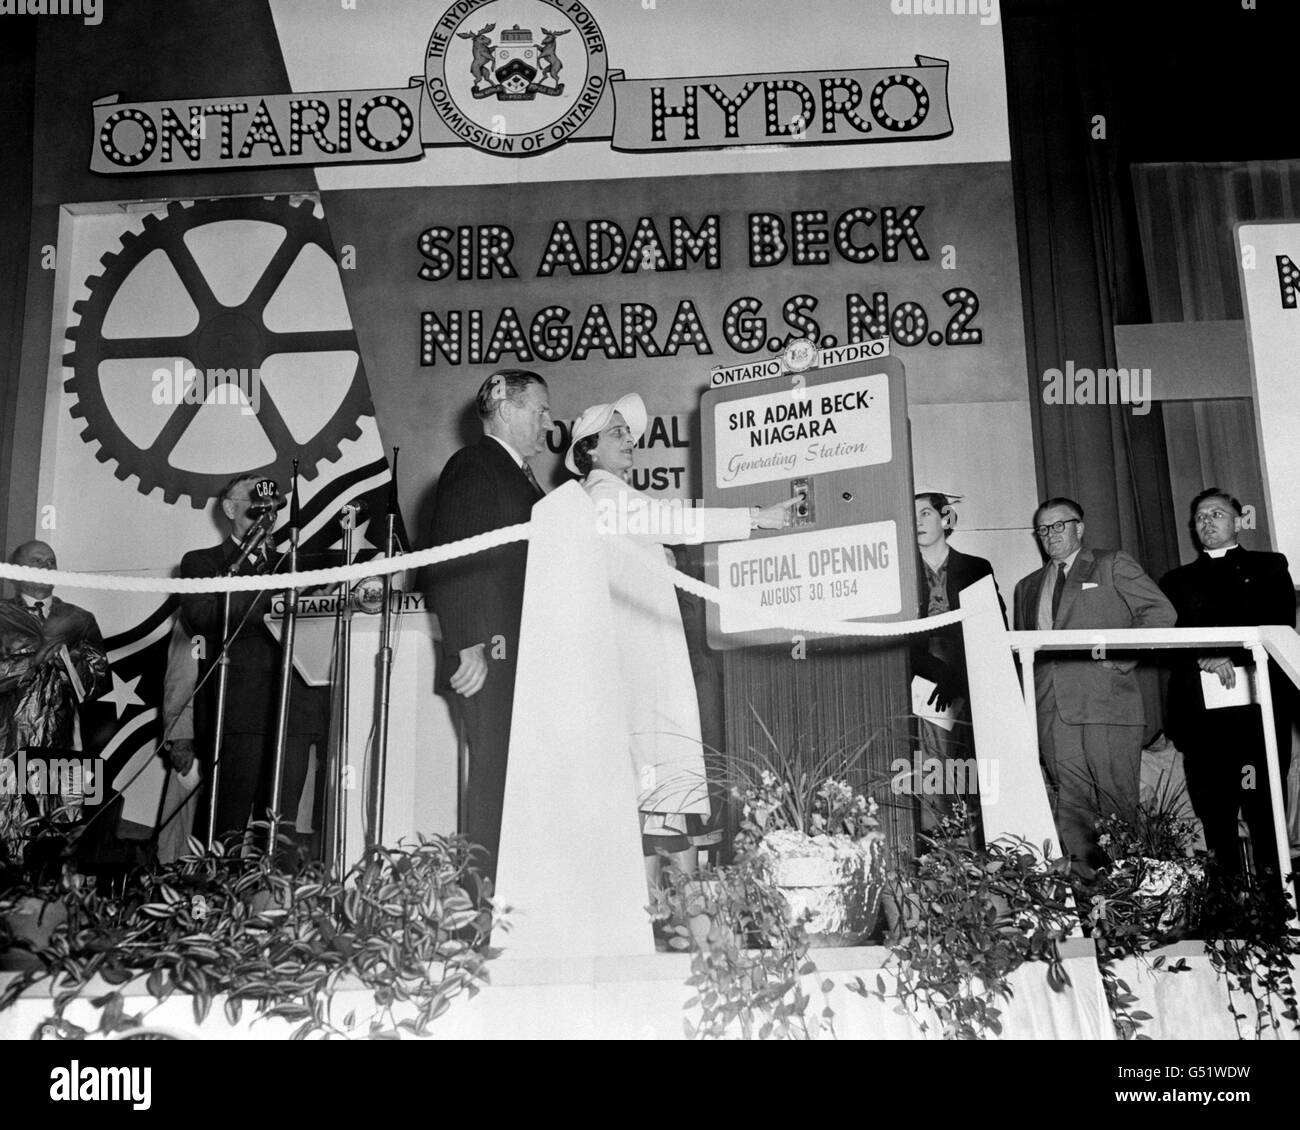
<point>309,578</point>
<point>763,618</point>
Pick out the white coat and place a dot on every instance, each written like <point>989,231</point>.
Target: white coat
<point>658,688</point>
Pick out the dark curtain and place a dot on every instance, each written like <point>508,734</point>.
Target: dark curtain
<point>1081,272</point>
<point>17,64</point>
<point>1185,213</point>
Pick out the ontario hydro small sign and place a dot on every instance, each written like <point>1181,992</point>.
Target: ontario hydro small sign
<point>845,574</point>
<point>804,430</point>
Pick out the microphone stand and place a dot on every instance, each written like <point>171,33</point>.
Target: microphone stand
<point>256,534</point>
<point>288,629</point>
<point>384,661</point>
<point>342,691</point>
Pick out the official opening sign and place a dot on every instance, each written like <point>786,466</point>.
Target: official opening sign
<point>803,430</point>
<point>841,574</point>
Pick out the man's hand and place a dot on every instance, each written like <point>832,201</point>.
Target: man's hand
<point>472,672</point>
<point>180,753</point>
<point>1221,667</point>
<point>942,696</point>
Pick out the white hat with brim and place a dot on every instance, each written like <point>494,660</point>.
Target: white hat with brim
<point>597,418</point>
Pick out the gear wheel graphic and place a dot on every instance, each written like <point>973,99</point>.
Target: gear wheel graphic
<point>226,337</point>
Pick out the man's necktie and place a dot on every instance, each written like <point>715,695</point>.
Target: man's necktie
<point>38,610</point>
<point>1059,590</point>
<point>528,474</point>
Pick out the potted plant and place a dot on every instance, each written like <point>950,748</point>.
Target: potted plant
<point>967,919</point>
<point>816,836</point>
<point>233,925</point>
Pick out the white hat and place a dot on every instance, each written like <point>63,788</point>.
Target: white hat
<point>596,419</point>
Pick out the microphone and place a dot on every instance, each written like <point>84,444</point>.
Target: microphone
<point>257,533</point>
<point>265,498</point>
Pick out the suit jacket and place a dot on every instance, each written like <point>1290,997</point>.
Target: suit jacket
<point>949,668</point>
<point>1119,594</point>
<point>254,656</point>
<point>1243,588</point>
<point>481,597</point>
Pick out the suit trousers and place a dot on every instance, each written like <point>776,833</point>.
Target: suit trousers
<point>485,717</point>
<point>950,756</point>
<point>1092,769</point>
<point>1224,762</point>
<point>244,784</point>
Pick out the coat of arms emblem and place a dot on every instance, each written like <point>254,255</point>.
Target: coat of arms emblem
<point>517,88</point>
<point>515,69</point>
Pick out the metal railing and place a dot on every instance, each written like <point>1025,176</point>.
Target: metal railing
<point>1280,643</point>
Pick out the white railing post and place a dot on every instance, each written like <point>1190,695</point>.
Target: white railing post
<point>1014,802</point>
<point>1275,784</point>
<point>1029,694</point>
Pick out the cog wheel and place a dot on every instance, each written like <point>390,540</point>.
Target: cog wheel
<point>238,332</point>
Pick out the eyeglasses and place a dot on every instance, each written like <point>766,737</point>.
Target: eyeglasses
<point>1055,527</point>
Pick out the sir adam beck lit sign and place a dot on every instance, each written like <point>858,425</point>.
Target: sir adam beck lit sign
<point>835,438</point>
<point>803,431</point>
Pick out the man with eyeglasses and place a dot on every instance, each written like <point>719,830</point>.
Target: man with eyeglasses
<point>1223,746</point>
<point>1090,712</point>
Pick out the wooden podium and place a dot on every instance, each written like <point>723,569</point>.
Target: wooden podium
<point>422,780</point>
<point>829,427</point>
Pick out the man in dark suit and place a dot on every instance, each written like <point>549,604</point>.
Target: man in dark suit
<point>1223,748</point>
<point>1090,712</point>
<point>940,657</point>
<point>479,599</point>
<point>38,700</point>
<point>252,698</point>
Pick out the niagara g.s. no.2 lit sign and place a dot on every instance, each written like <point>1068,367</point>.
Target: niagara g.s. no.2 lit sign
<point>518,88</point>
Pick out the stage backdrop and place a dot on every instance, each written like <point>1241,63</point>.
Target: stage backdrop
<point>199,339</point>
<point>753,171</point>
<point>619,195</point>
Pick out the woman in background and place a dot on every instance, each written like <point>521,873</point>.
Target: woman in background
<point>940,658</point>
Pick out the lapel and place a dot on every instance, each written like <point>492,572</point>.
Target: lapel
<point>1085,565</point>
<point>1031,594</point>
<point>955,580</point>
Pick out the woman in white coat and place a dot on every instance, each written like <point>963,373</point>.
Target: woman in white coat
<point>662,711</point>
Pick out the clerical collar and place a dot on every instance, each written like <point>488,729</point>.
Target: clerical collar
<point>1217,553</point>
<point>519,459</point>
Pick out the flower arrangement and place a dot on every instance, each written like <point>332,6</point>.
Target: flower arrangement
<point>817,837</point>
<point>806,808</point>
